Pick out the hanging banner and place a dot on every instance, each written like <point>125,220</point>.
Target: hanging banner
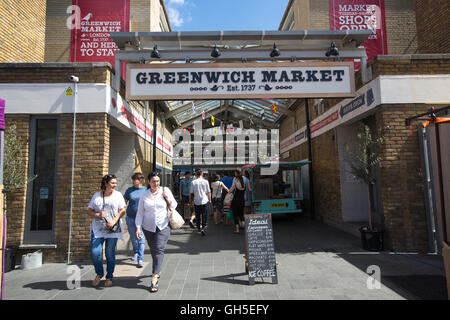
<point>361,15</point>
<point>92,42</point>
<point>239,81</point>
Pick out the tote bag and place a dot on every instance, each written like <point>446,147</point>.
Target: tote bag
<point>176,221</point>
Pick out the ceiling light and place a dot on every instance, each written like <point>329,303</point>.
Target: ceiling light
<point>275,52</point>
<point>333,50</point>
<point>155,53</point>
<point>215,53</point>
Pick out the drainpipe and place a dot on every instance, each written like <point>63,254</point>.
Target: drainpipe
<point>311,185</point>
<point>155,123</point>
<point>75,80</point>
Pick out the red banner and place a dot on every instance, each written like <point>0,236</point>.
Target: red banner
<point>361,15</point>
<point>92,42</point>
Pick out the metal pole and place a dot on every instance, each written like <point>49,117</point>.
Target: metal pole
<point>311,185</point>
<point>155,123</point>
<point>73,165</point>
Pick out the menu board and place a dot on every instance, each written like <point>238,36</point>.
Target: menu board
<point>260,247</point>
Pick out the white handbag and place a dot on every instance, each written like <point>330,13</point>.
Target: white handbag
<point>176,221</point>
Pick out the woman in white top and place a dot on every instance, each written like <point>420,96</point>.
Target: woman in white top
<point>152,220</point>
<point>217,186</point>
<point>107,207</point>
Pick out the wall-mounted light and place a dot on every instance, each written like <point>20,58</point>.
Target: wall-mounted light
<point>155,52</point>
<point>215,53</point>
<point>275,51</point>
<point>333,51</point>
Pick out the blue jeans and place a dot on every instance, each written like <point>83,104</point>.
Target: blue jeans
<point>110,253</point>
<point>201,214</point>
<point>138,244</point>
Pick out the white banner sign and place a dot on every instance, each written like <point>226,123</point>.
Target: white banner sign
<point>239,81</point>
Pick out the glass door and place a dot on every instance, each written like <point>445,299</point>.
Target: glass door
<point>42,191</point>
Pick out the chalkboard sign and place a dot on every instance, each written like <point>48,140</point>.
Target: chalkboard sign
<point>260,247</point>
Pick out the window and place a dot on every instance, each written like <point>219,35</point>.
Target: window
<point>41,195</point>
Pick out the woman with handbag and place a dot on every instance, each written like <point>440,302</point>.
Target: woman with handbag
<point>152,219</point>
<point>107,207</point>
<point>237,204</point>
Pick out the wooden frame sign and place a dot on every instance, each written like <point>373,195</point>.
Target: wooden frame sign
<point>239,80</point>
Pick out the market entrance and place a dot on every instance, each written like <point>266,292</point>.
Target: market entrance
<point>224,82</point>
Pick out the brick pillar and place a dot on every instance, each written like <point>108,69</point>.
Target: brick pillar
<point>91,164</point>
<point>401,179</point>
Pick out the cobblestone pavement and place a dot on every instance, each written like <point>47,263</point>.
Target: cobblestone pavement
<point>316,262</point>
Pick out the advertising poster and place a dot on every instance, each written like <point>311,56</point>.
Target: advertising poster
<point>361,15</point>
<point>92,42</point>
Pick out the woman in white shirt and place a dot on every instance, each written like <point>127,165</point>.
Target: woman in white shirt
<point>217,186</point>
<point>106,208</point>
<point>152,220</point>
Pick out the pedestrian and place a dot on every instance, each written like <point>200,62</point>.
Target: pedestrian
<point>217,186</point>
<point>238,202</point>
<point>132,196</point>
<point>185,190</point>
<point>106,208</point>
<point>201,194</point>
<point>248,194</point>
<point>152,220</point>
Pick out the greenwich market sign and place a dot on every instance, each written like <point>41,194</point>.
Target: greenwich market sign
<point>239,81</point>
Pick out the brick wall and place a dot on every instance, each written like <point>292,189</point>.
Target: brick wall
<point>22,30</point>
<point>433,26</point>
<point>410,64</point>
<point>55,73</point>
<point>401,179</point>
<point>400,22</point>
<point>401,26</point>
<point>57,35</point>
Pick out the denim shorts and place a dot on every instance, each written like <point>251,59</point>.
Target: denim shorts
<point>217,204</point>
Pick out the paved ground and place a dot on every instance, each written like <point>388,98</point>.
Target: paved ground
<point>315,262</point>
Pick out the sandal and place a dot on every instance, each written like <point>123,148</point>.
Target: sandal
<point>96,281</point>
<point>154,286</point>
<point>108,283</point>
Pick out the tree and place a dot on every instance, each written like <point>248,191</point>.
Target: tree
<point>363,160</point>
<point>14,173</point>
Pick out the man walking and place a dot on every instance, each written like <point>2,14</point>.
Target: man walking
<point>185,190</point>
<point>201,192</point>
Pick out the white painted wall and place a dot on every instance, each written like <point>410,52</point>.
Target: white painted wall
<point>353,193</point>
<point>121,158</point>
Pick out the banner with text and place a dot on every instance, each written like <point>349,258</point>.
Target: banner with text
<point>240,81</point>
<point>92,41</point>
<point>361,15</point>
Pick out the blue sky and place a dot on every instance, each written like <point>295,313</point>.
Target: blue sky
<point>215,15</point>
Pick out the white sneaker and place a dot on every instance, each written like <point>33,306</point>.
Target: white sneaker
<point>134,258</point>
<point>140,264</point>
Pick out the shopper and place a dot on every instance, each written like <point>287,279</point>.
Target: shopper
<point>201,195</point>
<point>185,190</point>
<point>217,187</point>
<point>152,220</point>
<point>106,208</point>
<point>248,194</point>
<point>237,204</point>
<point>132,196</point>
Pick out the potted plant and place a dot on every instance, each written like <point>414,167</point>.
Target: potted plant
<point>14,178</point>
<point>363,161</point>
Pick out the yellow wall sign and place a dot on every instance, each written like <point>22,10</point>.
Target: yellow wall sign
<point>69,92</point>
<point>278,205</point>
